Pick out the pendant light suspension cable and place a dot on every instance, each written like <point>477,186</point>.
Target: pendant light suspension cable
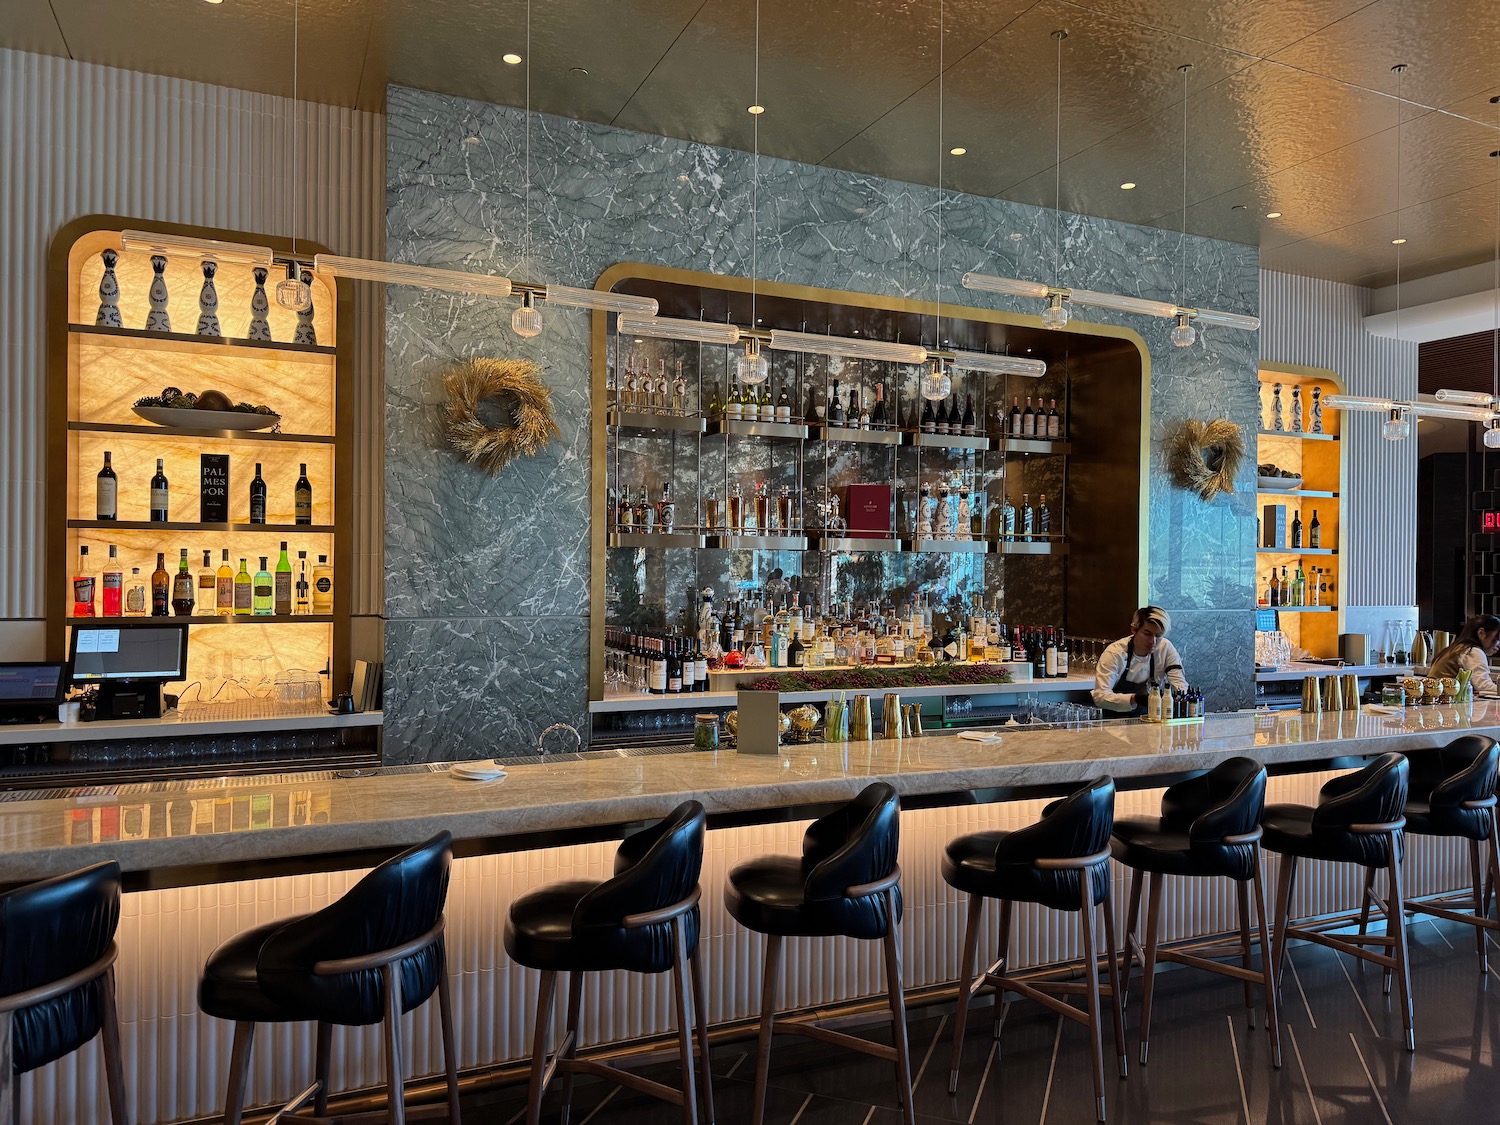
<point>526,321</point>
<point>1056,314</point>
<point>292,292</point>
<point>936,383</point>
<point>1184,335</point>
<point>753,368</point>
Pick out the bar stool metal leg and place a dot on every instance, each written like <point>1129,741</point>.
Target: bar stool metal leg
<point>239,1072</point>
<point>700,1010</point>
<point>1396,919</point>
<point>1242,896</point>
<point>767,1026</point>
<point>895,990</point>
<point>394,1066</point>
<point>1002,965</point>
<point>682,994</point>
<point>1117,997</point>
<point>544,1000</point>
<point>1091,987</point>
<point>1476,873</point>
<point>966,987</point>
<point>1286,877</point>
<point>321,1067</point>
<point>450,1046</point>
<point>1267,967</point>
<point>568,1048</point>
<point>114,1070</point>
<point>1148,962</point>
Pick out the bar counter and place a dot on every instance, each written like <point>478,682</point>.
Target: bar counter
<point>579,797</point>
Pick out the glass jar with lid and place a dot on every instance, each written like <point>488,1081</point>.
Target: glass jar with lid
<point>706,732</point>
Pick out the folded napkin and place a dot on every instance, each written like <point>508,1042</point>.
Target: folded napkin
<point>979,735</point>
<point>477,771</point>
<point>1381,709</point>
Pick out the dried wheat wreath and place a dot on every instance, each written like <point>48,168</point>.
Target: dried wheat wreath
<point>1205,456</point>
<point>494,447</point>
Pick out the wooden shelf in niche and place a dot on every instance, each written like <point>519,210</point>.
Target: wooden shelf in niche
<point>176,525</point>
<point>856,436</point>
<point>1309,493</point>
<point>947,441</point>
<point>758,542</point>
<point>190,344</point>
<point>636,420</point>
<point>855,545</point>
<point>1032,445</point>
<point>150,431</point>
<point>1300,608</point>
<point>1290,436</point>
<point>784,431</point>
<point>1016,547</point>
<point>1296,551</point>
<point>657,539</point>
<point>213,619</point>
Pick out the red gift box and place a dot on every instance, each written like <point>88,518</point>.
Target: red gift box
<point>867,508</point>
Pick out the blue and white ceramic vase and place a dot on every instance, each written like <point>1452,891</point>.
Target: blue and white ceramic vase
<point>108,315</point>
<point>306,333</point>
<point>260,307</point>
<point>208,302</point>
<point>158,320</point>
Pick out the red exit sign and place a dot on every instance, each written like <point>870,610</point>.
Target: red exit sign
<point>1490,521</point>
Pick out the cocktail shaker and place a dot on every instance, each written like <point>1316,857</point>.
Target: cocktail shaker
<point>890,715</point>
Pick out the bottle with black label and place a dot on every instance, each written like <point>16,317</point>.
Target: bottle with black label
<point>878,418</point>
<point>1028,518</point>
<point>322,596</point>
<point>257,497</point>
<point>161,587</point>
<point>303,587</point>
<point>264,591</point>
<point>303,496</point>
<point>1296,529</point>
<point>835,407</point>
<point>1315,532</point>
<point>182,587</point>
<point>159,495</point>
<point>107,492</point>
<point>941,422</point>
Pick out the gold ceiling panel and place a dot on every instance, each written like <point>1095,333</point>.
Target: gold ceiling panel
<point>29,25</point>
<point>1252,28</point>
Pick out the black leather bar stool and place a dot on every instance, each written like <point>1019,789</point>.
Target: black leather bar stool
<point>1060,862</point>
<point>370,957</point>
<point>1209,828</point>
<point>1359,819</point>
<point>1452,793</point>
<point>57,978</point>
<point>846,883</point>
<point>642,920</point>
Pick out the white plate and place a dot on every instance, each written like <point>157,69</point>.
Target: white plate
<point>206,419</point>
<point>477,771</point>
<point>1278,484</point>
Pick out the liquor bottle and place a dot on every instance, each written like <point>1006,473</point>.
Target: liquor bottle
<point>224,586</point>
<point>113,584</point>
<point>814,415</point>
<point>784,509</point>
<point>1054,423</point>
<point>1043,518</point>
<point>1015,416</point>
<point>1286,589</point>
<point>182,587</point>
<point>1007,528</point>
<point>107,492</point>
<point>631,394</point>
<point>796,652</point>
<point>700,668</point>
<point>208,586</point>
<point>1296,529</point>
<point>624,512</point>
<point>161,587</point>
<point>1038,655</point>
<point>303,496</point>
<point>736,510</point>
<point>159,495</point>
<point>941,421</point>
<point>878,418</point>
<point>1299,596</point>
<point>1312,588</point>
<point>135,594</point>
<point>835,406</point>
<point>257,497</point>
<point>783,406</point>
<point>862,412</point>
<point>265,591</point>
<point>1028,420</point>
<point>666,511</point>
<point>711,510</point>
<point>322,593</point>
<point>970,423</point>
<point>928,422</point>
<point>83,586</point>
<point>762,508</point>
<point>679,392</point>
<point>303,587</point>
<point>645,513</point>
<point>1274,589</point>
<point>1028,518</point>
<point>282,597</point>
<point>244,591</point>
<point>1315,532</point>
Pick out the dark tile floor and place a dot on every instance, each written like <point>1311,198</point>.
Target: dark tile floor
<point>1341,1038</point>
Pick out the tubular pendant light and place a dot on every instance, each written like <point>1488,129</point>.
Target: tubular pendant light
<point>847,347</point>
<point>1121,303</point>
<point>670,328</point>
<point>1467,398</point>
<point>568,297</point>
<point>204,249</point>
<point>1358,402</point>
<point>752,368</point>
<point>1445,410</point>
<point>1225,319</point>
<point>997,364</point>
<point>1011,286</point>
<point>401,273</point>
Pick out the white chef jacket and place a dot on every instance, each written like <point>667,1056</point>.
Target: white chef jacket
<point>1475,661</point>
<point>1119,661</point>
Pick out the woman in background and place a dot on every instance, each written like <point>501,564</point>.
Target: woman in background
<point>1471,651</point>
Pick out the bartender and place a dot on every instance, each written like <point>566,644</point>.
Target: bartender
<point>1129,666</point>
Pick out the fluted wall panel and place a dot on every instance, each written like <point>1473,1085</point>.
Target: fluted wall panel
<point>176,1057</point>
<point>79,139</point>
<point>1316,323</point>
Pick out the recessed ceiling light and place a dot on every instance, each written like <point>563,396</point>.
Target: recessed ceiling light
<point>1238,207</point>
<point>757,110</point>
<point>213,1</point>
<point>958,150</point>
<point>511,58</point>
<point>1128,185</point>
<point>1398,242</point>
<point>1273,214</point>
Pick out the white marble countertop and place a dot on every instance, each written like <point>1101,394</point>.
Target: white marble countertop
<point>639,701</point>
<point>175,725</point>
<point>215,825</point>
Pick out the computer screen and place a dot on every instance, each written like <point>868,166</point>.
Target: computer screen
<point>30,683</point>
<point>139,652</point>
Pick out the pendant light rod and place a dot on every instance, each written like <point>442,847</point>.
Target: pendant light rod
<point>1016,287</point>
<point>203,249</point>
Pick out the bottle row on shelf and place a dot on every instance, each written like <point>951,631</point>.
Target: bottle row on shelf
<point>221,592</point>
<point>213,496</point>
<point>1276,420</point>
<point>1299,589</point>
<point>948,512</point>
<point>777,631</point>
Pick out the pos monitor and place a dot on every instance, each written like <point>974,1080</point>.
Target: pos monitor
<point>129,664</point>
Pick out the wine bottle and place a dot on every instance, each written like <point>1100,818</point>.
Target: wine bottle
<point>107,492</point>
<point>1315,532</point>
<point>1054,423</point>
<point>970,423</point>
<point>113,583</point>
<point>1015,416</point>
<point>283,586</point>
<point>161,587</point>
<point>159,495</point>
<point>814,415</point>
<point>1028,420</point>
<point>835,406</point>
<point>244,591</point>
<point>783,406</point>
<point>941,424</point>
<point>732,404</point>
<point>257,497</point>
<point>182,587</point>
<point>224,586</point>
<point>929,419</point>
<point>877,414</point>
<point>208,586</point>
<point>304,588</point>
<point>1274,589</point>
<point>303,496</point>
<point>264,591</point>
<point>83,586</point>
<point>1296,529</point>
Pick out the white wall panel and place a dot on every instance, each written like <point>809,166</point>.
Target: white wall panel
<point>79,139</point>
<point>1315,323</point>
